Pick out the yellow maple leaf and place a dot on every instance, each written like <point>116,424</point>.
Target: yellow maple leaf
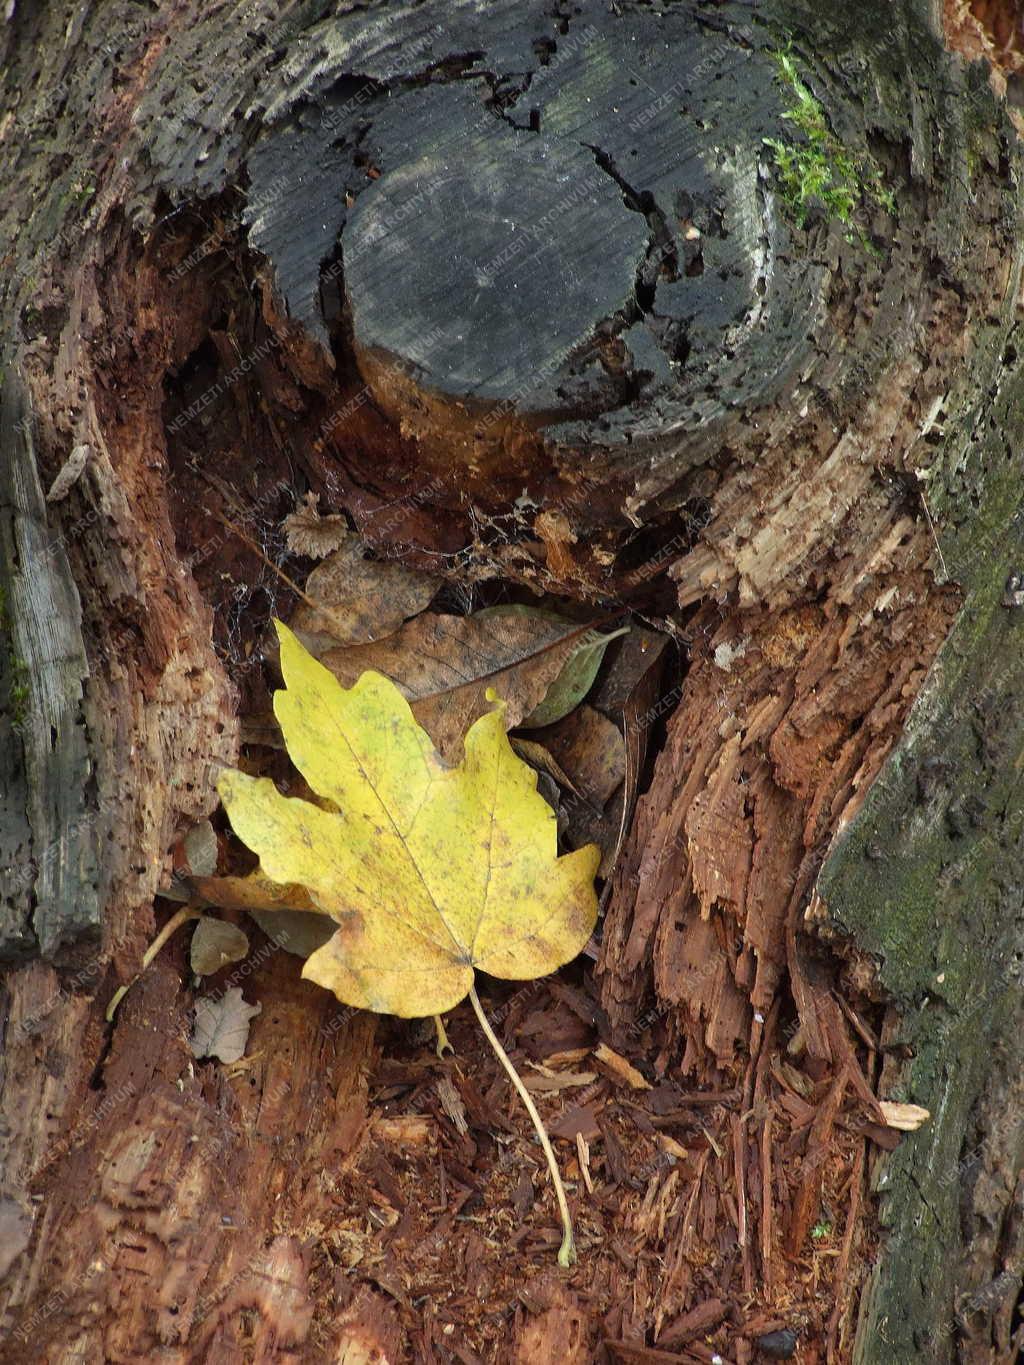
<point>429,871</point>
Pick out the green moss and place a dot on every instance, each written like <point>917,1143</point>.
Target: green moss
<point>934,898</point>
<point>81,192</point>
<point>13,665</point>
<point>20,692</point>
<point>817,168</point>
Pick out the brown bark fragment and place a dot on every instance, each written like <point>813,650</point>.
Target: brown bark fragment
<point>558,1336</point>
<point>369,1332</point>
<point>764,758</point>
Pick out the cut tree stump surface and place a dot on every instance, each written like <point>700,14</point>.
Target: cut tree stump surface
<point>559,244</point>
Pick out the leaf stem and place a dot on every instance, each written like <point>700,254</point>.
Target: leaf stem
<point>443,1045</point>
<point>567,1251</point>
<point>180,917</point>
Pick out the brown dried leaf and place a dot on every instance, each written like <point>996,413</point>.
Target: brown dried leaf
<point>284,913</point>
<point>538,757</point>
<point>368,599</point>
<point>590,750</point>
<point>195,854</point>
<point>261,728</point>
<point>295,931</point>
<point>625,694</point>
<point>215,943</point>
<point>308,533</point>
<point>200,849</point>
<point>254,892</point>
<point>445,665</point>
<point>222,1026</point>
<point>585,825</point>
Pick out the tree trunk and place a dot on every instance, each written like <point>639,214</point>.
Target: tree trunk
<point>538,292</point>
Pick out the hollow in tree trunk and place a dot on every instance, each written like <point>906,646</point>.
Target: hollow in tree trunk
<point>705,314</point>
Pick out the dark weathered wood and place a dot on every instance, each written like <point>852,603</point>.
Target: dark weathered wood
<point>561,249</point>
<point>51,825</point>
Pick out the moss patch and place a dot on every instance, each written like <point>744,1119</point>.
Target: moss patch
<point>816,169</point>
<point>13,668</point>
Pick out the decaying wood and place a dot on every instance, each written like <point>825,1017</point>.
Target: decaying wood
<point>52,888</point>
<point>803,445</point>
<point>784,719</point>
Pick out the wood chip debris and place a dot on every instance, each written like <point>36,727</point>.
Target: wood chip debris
<point>550,1081</point>
<point>451,1103</point>
<point>405,1130</point>
<point>583,1155</point>
<point>70,473</point>
<point>620,1068</point>
<point>906,1117</point>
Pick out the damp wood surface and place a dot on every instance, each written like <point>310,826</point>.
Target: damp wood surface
<point>49,832</point>
<point>804,444</point>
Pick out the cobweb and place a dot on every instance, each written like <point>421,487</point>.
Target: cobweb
<point>247,606</point>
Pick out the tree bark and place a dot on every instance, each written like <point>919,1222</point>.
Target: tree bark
<point>256,251</point>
